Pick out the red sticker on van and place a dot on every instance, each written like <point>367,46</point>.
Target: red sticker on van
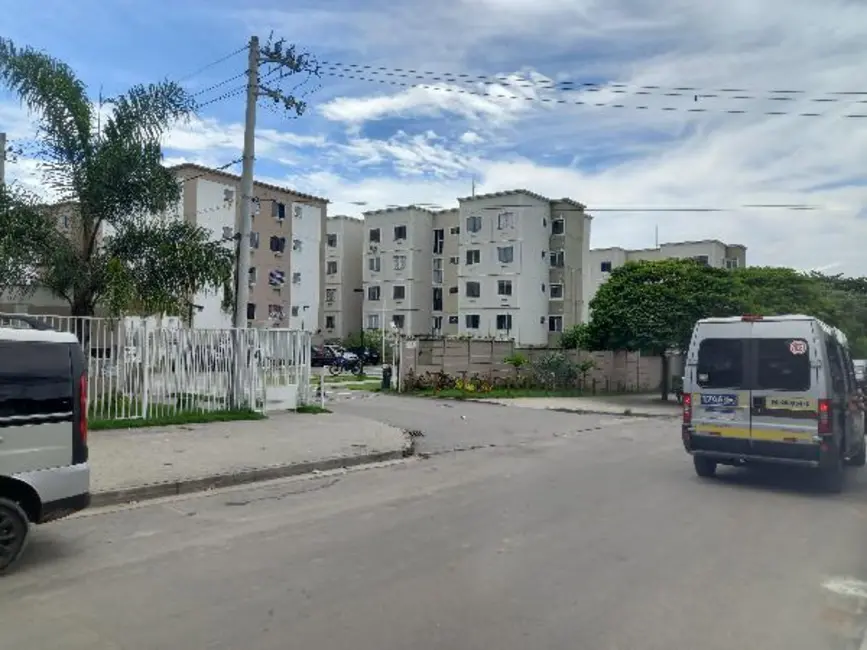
<point>798,347</point>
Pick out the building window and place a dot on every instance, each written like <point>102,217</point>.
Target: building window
<point>253,275</point>
<point>331,267</point>
<point>330,295</point>
<point>605,267</point>
<point>731,263</point>
<point>474,223</point>
<point>473,290</point>
<point>436,323</point>
<point>702,259</point>
<point>296,310</point>
<point>251,311</point>
<point>398,292</point>
<point>329,322</point>
<point>373,293</point>
<point>399,321</point>
<point>438,299</point>
<point>438,270</point>
<point>399,233</point>
<point>506,254</point>
<point>254,240</point>
<point>558,227</point>
<point>278,210</point>
<point>331,240</point>
<point>504,321</point>
<point>555,323</point>
<point>453,290</point>
<point>472,321</point>
<point>455,260</point>
<point>454,320</point>
<point>556,292</point>
<point>277,244</point>
<point>455,230</point>
<point>277,278</point>
<point>557,259</point>
<point>504,288</point>
<point>399,262</point>
<point>296,245</point>
<point>374,264</point>
<point>505,220</point>
<point>373,236</point>
<point>298,212</point>
<point>275,312</point>
<point>438,241</point>
<point>296,277</point>
<point>474,257</point>
<point>373,321</point>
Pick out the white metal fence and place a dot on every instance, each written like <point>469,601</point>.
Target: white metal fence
<point>146,368</point>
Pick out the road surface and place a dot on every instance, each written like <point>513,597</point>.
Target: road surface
<point>598,538</point>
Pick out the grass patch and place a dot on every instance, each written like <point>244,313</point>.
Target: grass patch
<point>371,386</point>
<point>504,393</point>
<point>311,409</point>
<point>203,417</point>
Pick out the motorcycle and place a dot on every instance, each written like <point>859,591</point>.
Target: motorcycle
<point>342,364</point>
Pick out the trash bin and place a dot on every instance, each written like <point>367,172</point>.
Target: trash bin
<point>386,378</point>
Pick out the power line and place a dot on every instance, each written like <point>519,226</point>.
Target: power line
<point>213,169</point>
<point>218,84</point>
<point>554,100</point>
<point>231,93</point>
<point>213,63</point>
<point>593,86</point>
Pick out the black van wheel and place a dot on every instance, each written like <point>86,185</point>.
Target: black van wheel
<point>14,530</point>
<point>833,476</point>
<point>704,467</point>
<point>860,457</point>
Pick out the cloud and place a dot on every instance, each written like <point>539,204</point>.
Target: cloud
<point>471,137</point>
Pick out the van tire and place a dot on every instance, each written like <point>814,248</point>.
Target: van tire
<point>14,533</point>
<point>860,457</point>
<point>704,467</point>
<point>832,477</point>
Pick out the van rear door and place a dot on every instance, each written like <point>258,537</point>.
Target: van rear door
<point>784,383</point>
<point>720,405</point>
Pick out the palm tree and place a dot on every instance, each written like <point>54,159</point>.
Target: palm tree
<point>118,253</point>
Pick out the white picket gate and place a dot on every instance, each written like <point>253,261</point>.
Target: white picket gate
<point>145,368</point>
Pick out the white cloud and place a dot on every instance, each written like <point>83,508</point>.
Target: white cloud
<point>471,137</point>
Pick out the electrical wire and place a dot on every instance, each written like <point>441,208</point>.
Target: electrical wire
<point>219,84</point>
<point>591,86</point>
<point>231,93</point>
<point>213,63</point>
<point>563,101</point>
<point>212,169</point>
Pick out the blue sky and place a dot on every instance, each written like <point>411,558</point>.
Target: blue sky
<point>379,144</point>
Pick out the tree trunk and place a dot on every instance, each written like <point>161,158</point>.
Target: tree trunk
<point>82,310</point>
<point>664,384</point>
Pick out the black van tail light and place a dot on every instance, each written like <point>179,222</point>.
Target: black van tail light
<point>82,404</point>
<point>825,417</point>
<point>687,408</point>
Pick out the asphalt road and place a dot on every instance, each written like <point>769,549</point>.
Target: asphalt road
<point>598,538</point>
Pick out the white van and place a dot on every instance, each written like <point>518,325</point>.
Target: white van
<point>44,473</point>
<point>778,389</point>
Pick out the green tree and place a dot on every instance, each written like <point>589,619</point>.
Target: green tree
<point>574,338</point>
<point>652,306</point>
<point>24,233</point>
<point>110,168</point>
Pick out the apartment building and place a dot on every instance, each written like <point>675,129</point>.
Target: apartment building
<point>343,276</point>
<point>287,242</point>
<point>507,265</point>
<point>707,251</point>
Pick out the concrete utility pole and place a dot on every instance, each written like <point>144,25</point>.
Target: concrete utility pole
<point>242,268</point>
<point>2,158</point>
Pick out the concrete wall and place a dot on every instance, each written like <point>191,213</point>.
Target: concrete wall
<point>342,300</point>
<point>613,370</point>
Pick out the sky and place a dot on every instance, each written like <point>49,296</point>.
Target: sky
<point>511,98</point>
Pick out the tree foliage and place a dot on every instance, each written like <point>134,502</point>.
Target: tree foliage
<point>25,231</point>
<point>110,168</point>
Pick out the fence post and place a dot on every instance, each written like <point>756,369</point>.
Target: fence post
<point>145,369</point>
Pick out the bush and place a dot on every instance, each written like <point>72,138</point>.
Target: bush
<point>555,370</point>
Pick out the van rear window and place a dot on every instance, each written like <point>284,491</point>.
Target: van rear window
<point>782,366</point>
<point>35,378</point>
<point>721,363</point>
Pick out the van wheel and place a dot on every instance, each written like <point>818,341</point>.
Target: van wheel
<point>860,457</point>
<point>14,531</point>
<point>704,467</point>
<point>833,476</point>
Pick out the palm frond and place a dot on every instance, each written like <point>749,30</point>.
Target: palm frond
<point>145,112</point>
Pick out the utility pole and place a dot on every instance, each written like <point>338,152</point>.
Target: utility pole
<point>242,268</point>
<point>2,158</point>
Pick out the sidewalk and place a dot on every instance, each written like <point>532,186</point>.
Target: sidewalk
<point>641,405</point>
<point>135,464</point>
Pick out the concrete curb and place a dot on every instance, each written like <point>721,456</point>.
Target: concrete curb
<point>244,476</point>
<point>631,414</point>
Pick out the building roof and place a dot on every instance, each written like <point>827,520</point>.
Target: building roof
<point>668,243</point>
<point>399,208</point>
<point>496,195</point>
<point>236,177</point>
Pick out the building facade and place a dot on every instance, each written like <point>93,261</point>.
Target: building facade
<point>504,265</point>
<point>343,277</point>
<point>708,251</point>
<point>287,243</point>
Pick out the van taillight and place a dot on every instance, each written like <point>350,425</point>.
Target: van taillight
<point>825,417</point>
<point>82,404</point>
<point>687,408</point>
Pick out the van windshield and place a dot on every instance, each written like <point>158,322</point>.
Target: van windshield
<point>779,368</point>
<point>720,363</point>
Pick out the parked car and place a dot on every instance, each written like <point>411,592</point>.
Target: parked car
<point>321,355</point>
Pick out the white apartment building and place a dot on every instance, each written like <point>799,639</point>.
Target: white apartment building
<point>506,265</point>
<point>708,251</point>
<point>344,237</point>
<point>287,242</point>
